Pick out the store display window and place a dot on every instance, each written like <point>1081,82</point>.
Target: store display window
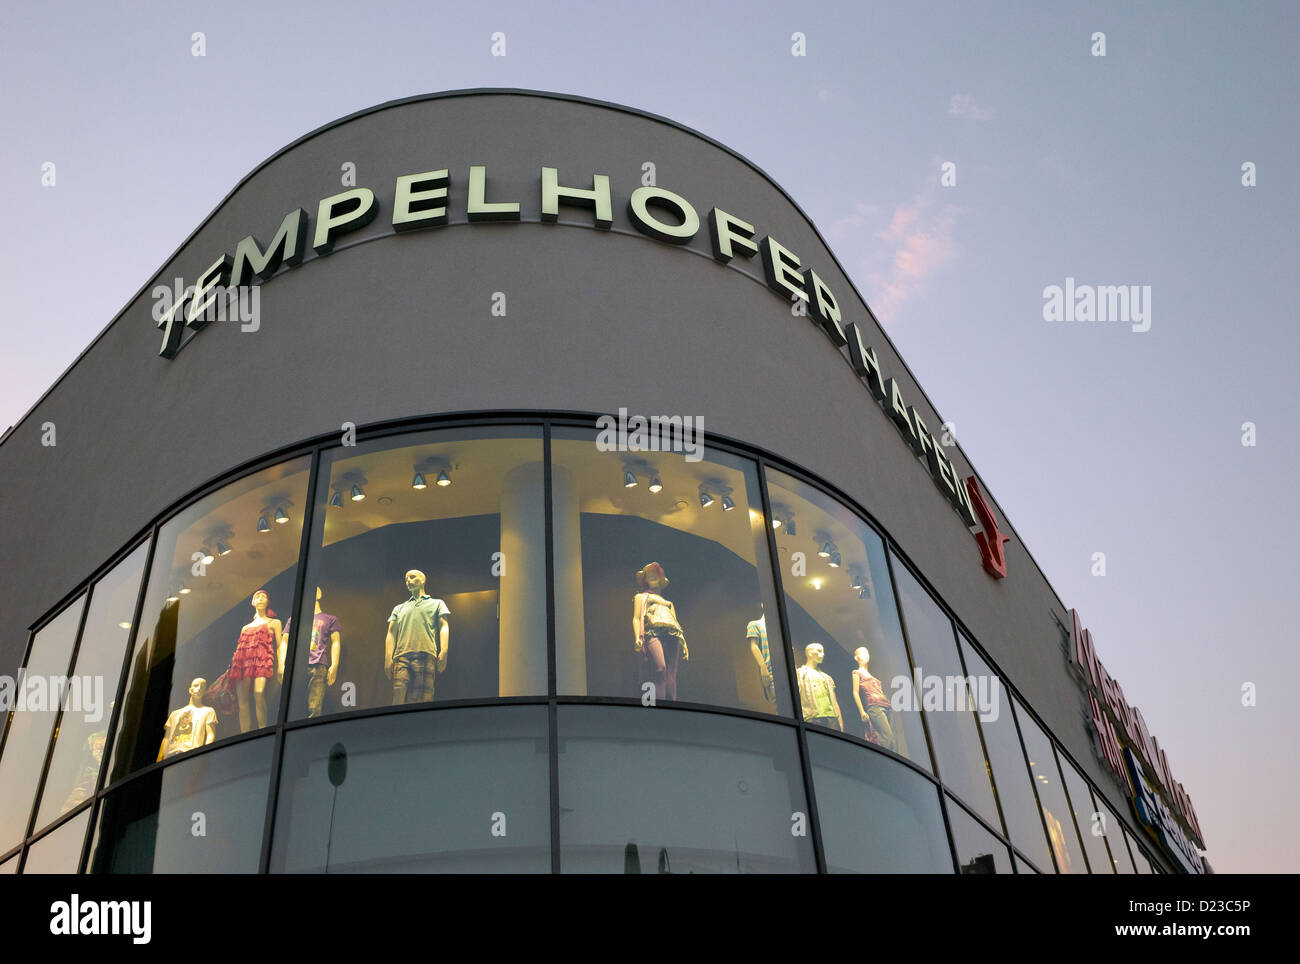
<point>206,660</point>
<point>426,575</point>
<point>663,588</point>
<point>846,639</point>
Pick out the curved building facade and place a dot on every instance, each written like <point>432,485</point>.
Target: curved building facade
<point>499,481</point>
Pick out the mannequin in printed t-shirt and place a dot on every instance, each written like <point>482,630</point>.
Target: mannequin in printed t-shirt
<point>756,637</point>
<point>323,652</point>
<point>817,690</point>
<point>192,726</point>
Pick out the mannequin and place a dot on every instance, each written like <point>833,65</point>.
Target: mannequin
<point>659,640</point>
<point>322,660</point>
<point>817,690</point>
<point>193,725</point>
<point>875,711</point>
<point>416,646</point>
<point>756,636</point>
<point>254,661</point>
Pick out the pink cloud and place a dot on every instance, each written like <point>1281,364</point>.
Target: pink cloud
<point>917,242</point>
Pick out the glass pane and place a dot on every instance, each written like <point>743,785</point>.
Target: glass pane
<point>59,852</point>
<point>205,659</point>
<point>1051,795</point>
<point>10,866</point>
<point>946,697</point>
<point>978,851</point>
<point>79,742</point>
<point>1089,821</point>
<point>468,791</point>
<point>1015,790</point>
<point>198,816</point>
<point>841,612</point>
<point>1140,862</point>
<point>877,815</point>
<point>427,573</point>
<point>37,695</point>
<point>1024,867</point>
<point>1119,856</point>
<point>646,790</point>
<point>704,623</point>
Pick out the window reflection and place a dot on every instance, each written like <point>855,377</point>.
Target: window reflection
<point>59,852</point>
<point>978,851</point>
<point>653,790</point>
<point>847,640</point>
<point>452,791</point>
<point>877,815</point>
<point>1014,788</point>
<point>1090,821</point>
<point>426,576</point>
<point>28,737</point>
<point>202,815</point>
<point>81,735</point>
<point>662,583</point>
<point>1051,796</point>
<point>223,572</point>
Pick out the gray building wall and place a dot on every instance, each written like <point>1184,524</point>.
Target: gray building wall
<point>391,326</point>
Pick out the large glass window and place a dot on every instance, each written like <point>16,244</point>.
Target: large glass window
<point>221,584</point>
<point>59,851</point>
<point>1091,822</point>
<point>1140,862</point>
<point>877,816</point>
<point>37,694</point>
<point>947,699</point>
<point>648,790</point>
<point>663,589</point>
<point>427,573</point>
<point>83,730</point>
<point>847,640</point>
<point>978,851</point>
<point>199,816</point>
<point>1015,790</point>
<point>1051,796</point>
<point>451,791</point>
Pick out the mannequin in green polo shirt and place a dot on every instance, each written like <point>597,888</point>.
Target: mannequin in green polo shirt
<point>417,642</point>
<point>817,690</point>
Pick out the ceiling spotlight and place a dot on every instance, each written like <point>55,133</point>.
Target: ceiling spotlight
<point>124,625</point>
<point>444,479</point>
<point>789,526</point>
<point>655,484</point>
<point>706,500</point>
<point>826,550</point>
<point>727,504</point>
<point>264,526</point>
<point>173,597</point>
<point>280,517</point>
<point>835,560</point>
<point>184,590</point>
<point>816,583</point>
<point>418,482</point>
<point>629,480</point>
<point>336,500</point>
<point>222,548</point>
<point>357,494</point>
<point>864,593</point>
<point>776,523</point>
<point>205,556</point>
<point>855,577</point>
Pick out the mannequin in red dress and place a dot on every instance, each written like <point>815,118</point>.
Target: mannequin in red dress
<point>254,661</point>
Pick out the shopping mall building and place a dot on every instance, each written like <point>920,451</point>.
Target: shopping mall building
<point>324,554</point>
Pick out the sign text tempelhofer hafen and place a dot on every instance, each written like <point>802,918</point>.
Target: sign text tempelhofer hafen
<point>420,201</point>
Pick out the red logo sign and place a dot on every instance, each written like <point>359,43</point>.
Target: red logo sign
<point>991,540</point>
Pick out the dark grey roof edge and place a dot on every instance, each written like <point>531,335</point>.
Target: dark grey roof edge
<point>549,95</point>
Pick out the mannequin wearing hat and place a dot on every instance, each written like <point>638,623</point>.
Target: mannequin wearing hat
<point>659,640</point>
